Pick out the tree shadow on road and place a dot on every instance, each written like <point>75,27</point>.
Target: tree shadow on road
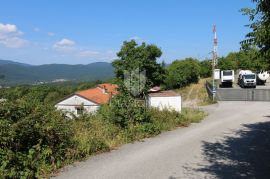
<point>244,156</point>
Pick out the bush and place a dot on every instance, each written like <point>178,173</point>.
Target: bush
<point>124,110</point>
<point>182,73</point>
<point>36,140</point>
<point>91,135</point>
<point>33,139</point>
<point>167,120</point>
<point>205,68</point>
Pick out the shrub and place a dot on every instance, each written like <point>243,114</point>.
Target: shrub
<point>36,140</point>
<point>33,139</point>
<point>205,68</point>
<point>182,72</point>
<point>124,110</point>
<point>167,120</point>
<point>91,135</point>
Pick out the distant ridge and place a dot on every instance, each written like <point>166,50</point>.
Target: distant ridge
<point>20,73</point>
<point>5,62</point>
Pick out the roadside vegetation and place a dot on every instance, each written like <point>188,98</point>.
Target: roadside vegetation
<point>36,139</point>
<point>195,95</point>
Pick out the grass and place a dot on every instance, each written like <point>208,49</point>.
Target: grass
<point>195,95</point>
<point>93,135</point>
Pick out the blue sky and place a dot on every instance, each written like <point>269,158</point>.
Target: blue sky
<point>85,31</point>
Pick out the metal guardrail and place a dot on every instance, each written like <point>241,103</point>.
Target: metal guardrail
<point>235,94</point>
<point>209,89</point>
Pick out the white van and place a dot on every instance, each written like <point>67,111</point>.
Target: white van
<point>247,79</point>
<point>227,77</point>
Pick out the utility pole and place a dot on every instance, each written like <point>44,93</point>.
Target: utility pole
<point>214,60</point>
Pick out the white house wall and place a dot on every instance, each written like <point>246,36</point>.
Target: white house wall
<point>171,103</point>
<point>70,104</point>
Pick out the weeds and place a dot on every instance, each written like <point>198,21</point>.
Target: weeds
<point>36,140</point>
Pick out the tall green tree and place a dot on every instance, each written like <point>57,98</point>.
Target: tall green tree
<point>142,57</point>
<point>260,26</point>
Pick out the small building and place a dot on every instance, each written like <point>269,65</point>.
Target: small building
<point>164,100</point>
<point>87,100</point>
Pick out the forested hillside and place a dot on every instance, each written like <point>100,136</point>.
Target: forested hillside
<point>16,73</point>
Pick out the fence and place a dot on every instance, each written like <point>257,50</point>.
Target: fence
<point>232,94</point>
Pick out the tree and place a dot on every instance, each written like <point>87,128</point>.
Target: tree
<point>228,63</point>
<point>139,57</point>
<point>244,59</point>
<point>260,26</point>
<point>205,68</point>
<point>182,72</point>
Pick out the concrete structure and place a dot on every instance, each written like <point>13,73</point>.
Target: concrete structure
<point>165,100</point>
<point>88,100</point>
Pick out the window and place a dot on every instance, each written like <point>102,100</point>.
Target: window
<point>79,110</point>
<point>250,77</point>
<point>227,73</point>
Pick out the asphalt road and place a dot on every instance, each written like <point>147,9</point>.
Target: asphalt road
<point>232,142</point>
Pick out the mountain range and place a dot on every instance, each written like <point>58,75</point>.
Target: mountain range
<point>12,72</point>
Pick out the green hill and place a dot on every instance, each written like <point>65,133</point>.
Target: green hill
<point>17,73</point>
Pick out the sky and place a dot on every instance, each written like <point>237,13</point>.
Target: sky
<point>86,31</point>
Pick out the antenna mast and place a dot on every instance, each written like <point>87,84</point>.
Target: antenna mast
<point>214,60</point>
<point>215,57</point>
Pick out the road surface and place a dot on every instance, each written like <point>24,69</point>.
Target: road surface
<point>232,142</point>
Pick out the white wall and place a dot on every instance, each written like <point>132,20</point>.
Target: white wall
<point>69,105</point>
<point>171,103</point>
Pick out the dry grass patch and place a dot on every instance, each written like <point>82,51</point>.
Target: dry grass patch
<point>195,95</point>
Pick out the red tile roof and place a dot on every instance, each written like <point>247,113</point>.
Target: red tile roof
<point>101,94</point>
<point>110,88</point>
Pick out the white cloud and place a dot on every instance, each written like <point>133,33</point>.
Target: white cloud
<point>37,29</point>
<point>14,42</point>
<point>65,42</point>
<point>8,28</point>
<point>10,36</point>
<point>88,53</point>
<point>51,34</point>
<point>68,48</point>
<point>65,45</point>
<point>108,55</point>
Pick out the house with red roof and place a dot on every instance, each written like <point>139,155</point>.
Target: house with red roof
<point>87,100</point>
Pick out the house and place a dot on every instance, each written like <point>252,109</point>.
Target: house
<point>164,100</point>
<point>2,100</point>
<point>87,100</point>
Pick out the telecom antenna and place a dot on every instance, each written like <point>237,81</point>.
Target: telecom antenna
<point>215,56</point>
<point>214,60</point>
